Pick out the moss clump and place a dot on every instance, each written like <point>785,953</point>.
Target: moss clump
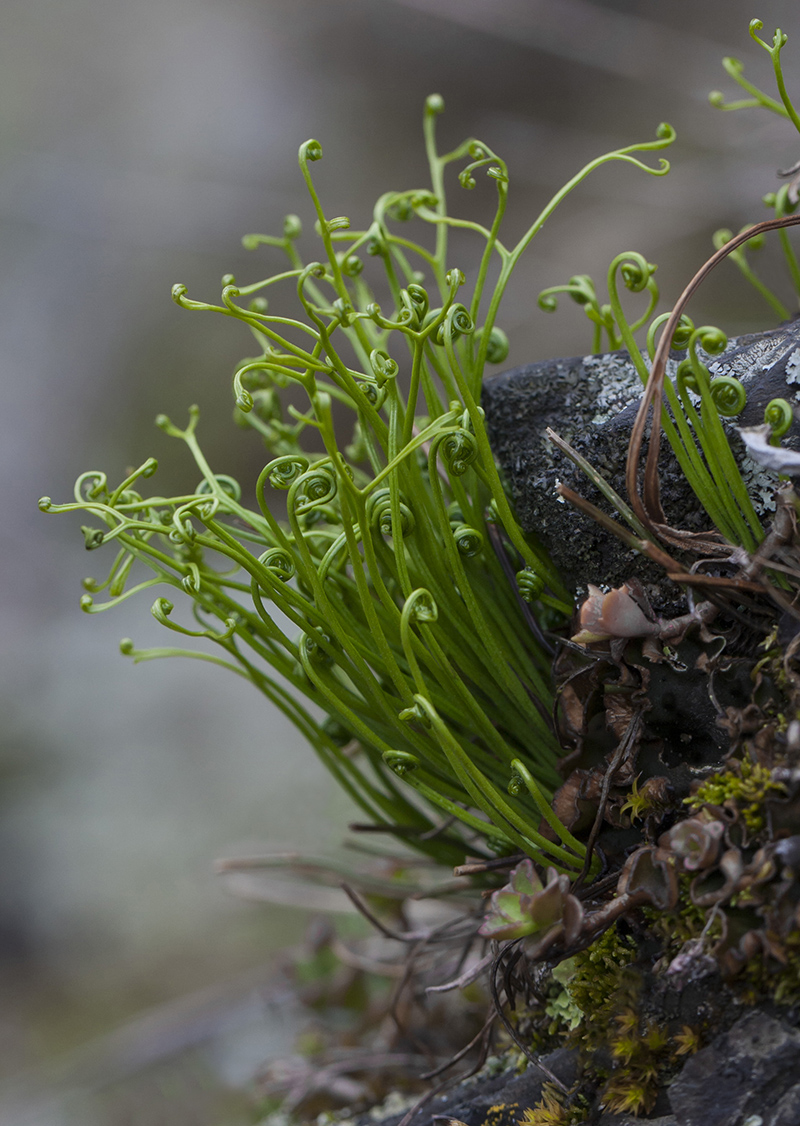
<point>685,923</point>
<point>600,983</point>
<point>744,787</point>
<point>555,1109</point>
<point>605,1009</point>
<point>641,1051</point>
<point>776,977</point>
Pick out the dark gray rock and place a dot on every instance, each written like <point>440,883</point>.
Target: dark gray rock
<point>748,1076</point>
<point>787,1110</point>
<point>627,1120</point>
<point>591,401</point>
<point>501,1100</point>
<point>498,1100</point>
<point>751,1070</point>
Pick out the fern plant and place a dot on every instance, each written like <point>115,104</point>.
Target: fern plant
<point>697,402</point>
<point>397,593</point>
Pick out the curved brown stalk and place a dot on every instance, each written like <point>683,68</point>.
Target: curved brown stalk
<point>647,505</point>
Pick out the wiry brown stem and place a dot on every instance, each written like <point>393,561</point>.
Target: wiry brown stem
<point>647,505</point>
<point>624,746</point>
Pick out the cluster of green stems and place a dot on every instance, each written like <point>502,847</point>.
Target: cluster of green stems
<point>696,402</point>
<point>381,581</point>
<point>386,596</point>
<point>784,201</point>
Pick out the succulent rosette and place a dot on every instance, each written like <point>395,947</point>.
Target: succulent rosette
<point>526,906</point>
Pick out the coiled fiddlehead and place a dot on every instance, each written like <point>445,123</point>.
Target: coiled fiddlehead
<point>728,395</point>
<point>498,346</point>
<point>420,606</point>
<point>192,582</point>
<point>457,322</point>
<point>636,271</point>
<point>314,647</point>
<point>352,266</point>
<point>414,304</point>
<point>580,288</point>
<point>483,157</point>
<point>459,449</point>
<point>245,380</point>
<point>383,366</point>
<point>279,562</point>
<point>161,610</point>
<point>637,275</point>
<point>92,537</point>
<point>725,392</point>
<point>309,151</point>
<point>529,584</point>
<point>228,485</point>
<point>692,373</point>
<point>183,531</point>
<point>282,472</point>
<point>779,416</point>
<point>418,296</point>
<point>373,393</point>
<point>375,313</point>
<point>90,486</point>
<point>680,337</point>
<point>469,541</point>
<point>379,514</point>
<point>318,486</point>
<point>710,338</point>
<point>400,762</point>
<point>314,271</point>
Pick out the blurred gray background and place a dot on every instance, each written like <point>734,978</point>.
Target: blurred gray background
<point>138,142</point>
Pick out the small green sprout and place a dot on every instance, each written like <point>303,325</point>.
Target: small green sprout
<point>637,804</point>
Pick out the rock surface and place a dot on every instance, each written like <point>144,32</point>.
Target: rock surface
<point>502,1100</point>
<point>499,1100</point>
<point>748,1076</point>
<point>752,1070</point>
<point>591,401</point>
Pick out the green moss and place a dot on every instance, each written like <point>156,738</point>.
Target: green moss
<point>746,786</point>
<point>768,977</point>
<point>637,804</point>
<point>600,982</point>
<point>628,1055</point>
<point>683,924</point>
<point>555,1109</point>
<point>562,1009</point>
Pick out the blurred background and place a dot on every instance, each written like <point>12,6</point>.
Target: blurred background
<point>138,143</point>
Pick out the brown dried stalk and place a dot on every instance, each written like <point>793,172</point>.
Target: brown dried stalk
<point>647,505</point>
